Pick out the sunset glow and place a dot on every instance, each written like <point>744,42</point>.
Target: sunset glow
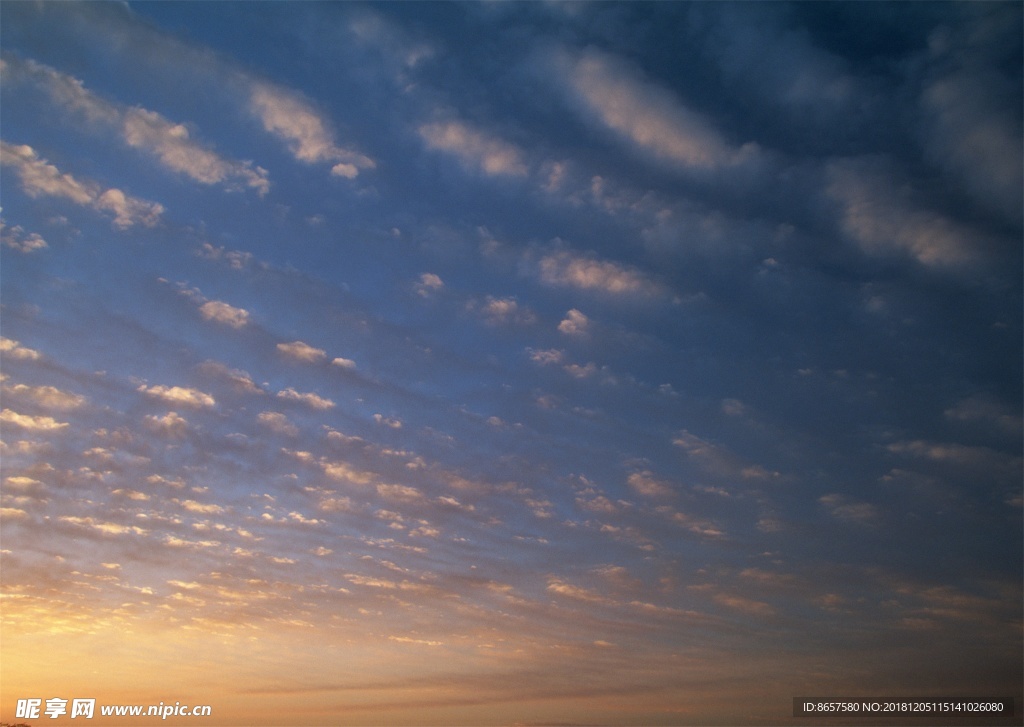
<point>509,363</point>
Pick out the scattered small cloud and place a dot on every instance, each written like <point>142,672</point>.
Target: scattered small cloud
<point>215,310</point>
<point>179,395</point>
<point>302,352</point>
<point>574,324</point>
<point>475,149</point>
<point>39,178</point>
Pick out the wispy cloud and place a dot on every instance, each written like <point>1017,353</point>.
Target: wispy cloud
<point>169,142</point>
<point>285,114</point>
<point>301,351</point>
<point>586,273</point>
<point>883,221</point>
<point>475,149</point>
<point>39,177</point>
<point>646,115</point>
<point>179,395</point>
<point>221,312</point>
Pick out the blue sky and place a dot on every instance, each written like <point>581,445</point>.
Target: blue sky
<point>510,363</point>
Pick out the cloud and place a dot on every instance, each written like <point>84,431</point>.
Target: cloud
<point>400,493</point>
<point>844,508</point>
<point>290,118</point>
<point>15,350</point>
<point>718,460</point>
<point>986,411</point>
<point>502,311</point>
<point>644,114</point>
<point>646,483</point>
<point>585,273</point>
<point>547,357</point>
<point>734,408</point>
<point>960,455</point>
<point>172,145</point>
<point>107,528</point>
<point>345,363</point>
<point>277,422</point>
<point>476,150</point>
<point>780,66</point>
<point>883,220</point>
<point>238,378</point>
<point>560,587</point>
<point>387,421</point>
<point>179,395</point>
<point>971,121</point>
<point>171,424</point>
<point>140,128</point>
<point>310,399</point>
<point>202,508</point>
<point>581,371</point>
<point>39,177</point>
<point>745,605</point>
<point>16,239</point>
<point>429,285</point>
<point>33,423</point>
<point>574,324</point>
<point>49,397</point>
<point>302,352</point>
<point>215,310</point>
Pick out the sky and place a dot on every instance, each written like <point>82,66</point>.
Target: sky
<point>510,363</point>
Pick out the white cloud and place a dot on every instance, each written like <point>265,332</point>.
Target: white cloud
<point>106,528</point>
<point>171,424</point>
<point>577,271</point>
<point>429,284</point>
<point>646,483</point>
<point>574,324</point>
<point>278,422</point>
<point>476,150</point>
<point>387,421</point>
<point>345,363</point>
<point>240,379</point>
<point>39,177</point>
<point>302,351</point>
<point>648,116</point>
<point>202,508</point>
<point>15,350</point>
<point>289,117</point>
<point>401,493</point>
<point>880,218</point>
<point>33,423</point>
<point>16,239</point>
<point>560,587</point>
<point>546,357</point>
<point>179,395</point>
<point>719,461</point>
<point>64,90</point>
<point>176,150</point>
<point>215,310</point>
<point>310,399</point>
<point>129,210</point>
<point>501,311</point>
<point>579,371</point>
<point>49,397</point>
